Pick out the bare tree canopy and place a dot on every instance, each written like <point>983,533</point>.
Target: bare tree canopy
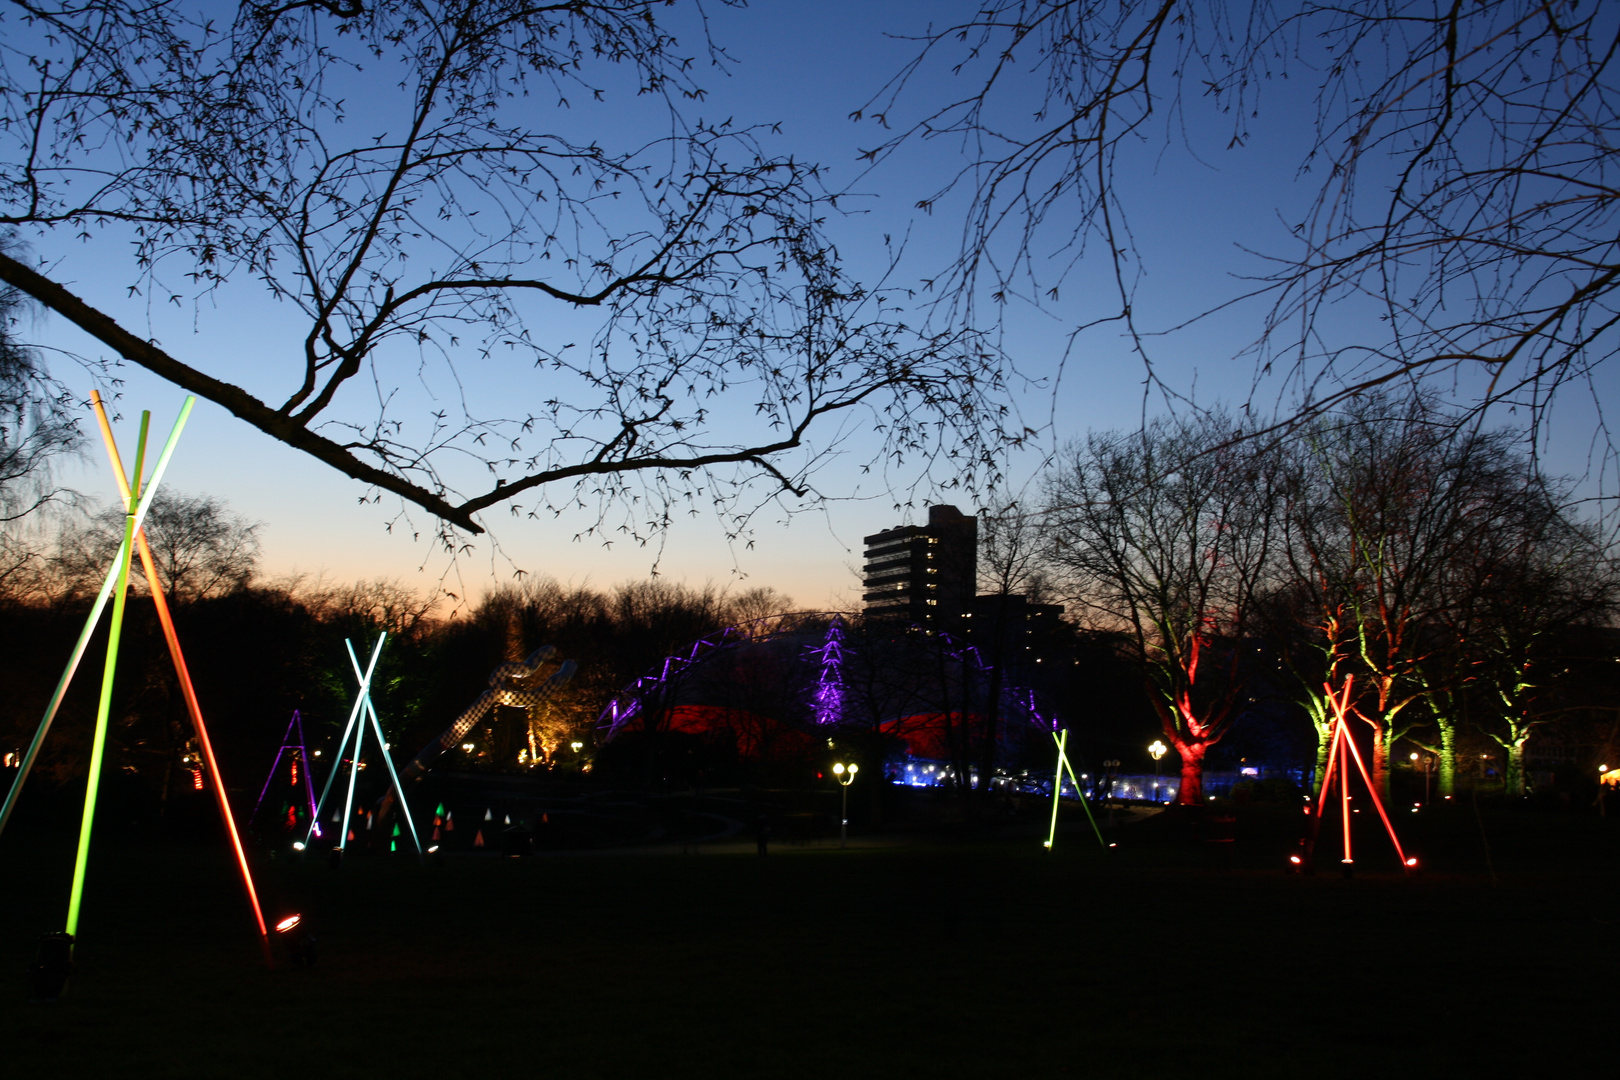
<point>36,427</point>
<point>1466,217</point>
<point>422,186</point>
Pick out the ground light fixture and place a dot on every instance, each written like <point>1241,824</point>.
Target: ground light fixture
<point>846,776</point>
<point>52,966</point>
<point>297,944</point>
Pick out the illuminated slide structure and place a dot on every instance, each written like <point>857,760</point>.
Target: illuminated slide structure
<point>507,686</point>
<point>55,954</point>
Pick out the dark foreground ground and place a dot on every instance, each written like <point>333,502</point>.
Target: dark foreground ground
<point>973,954</point>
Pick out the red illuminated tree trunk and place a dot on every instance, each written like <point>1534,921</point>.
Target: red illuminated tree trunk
<point>1192,770</point>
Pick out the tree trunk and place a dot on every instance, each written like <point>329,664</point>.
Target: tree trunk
<point>1448,756</point>
<point>1380,761</point>
<point>1324,743</point>
<point>1513,778</point>
<point>1192,772</point>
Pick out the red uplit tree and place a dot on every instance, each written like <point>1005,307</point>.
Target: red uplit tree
<point>1168,534</point>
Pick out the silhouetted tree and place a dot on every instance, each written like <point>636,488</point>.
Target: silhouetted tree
<point>1465,217</point>
<point>1168,535</point>
<point>454,232</point>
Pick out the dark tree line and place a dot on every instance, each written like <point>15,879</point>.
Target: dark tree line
<point>257,650</point>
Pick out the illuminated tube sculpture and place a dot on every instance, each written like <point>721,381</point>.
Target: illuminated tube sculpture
<point>363,708</point>
<point>90,622</point>
<point>1340,752</point>
<point>1057,791</point>
<point>298,752</point>
<point>182,671</point>
<point>137,501</point>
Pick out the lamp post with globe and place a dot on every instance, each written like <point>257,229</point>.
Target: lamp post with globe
<point>1158,750</point>
<point>845,775</point>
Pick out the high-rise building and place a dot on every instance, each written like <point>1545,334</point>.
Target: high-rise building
<point>924,574</point>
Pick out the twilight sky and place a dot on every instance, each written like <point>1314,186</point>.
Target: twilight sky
<point>806,66</point>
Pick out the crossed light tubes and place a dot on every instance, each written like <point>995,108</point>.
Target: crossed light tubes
<point>362,703</point>
<point>1057,791</point>
<point>137,501</point>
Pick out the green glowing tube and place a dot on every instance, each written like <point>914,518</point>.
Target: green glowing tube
<point>1057,788</point>
<point>91,620</point>
<point>104,706</point>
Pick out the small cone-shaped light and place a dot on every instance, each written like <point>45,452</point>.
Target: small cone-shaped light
<point>489,815</point>
<point>508,820</point>
<point>440,811</point>
<point>449,823</point>
<point>478,841</point>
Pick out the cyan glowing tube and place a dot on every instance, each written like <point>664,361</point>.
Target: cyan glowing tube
<point>142,505</point>
<point>388,760</point>
<point>337,759</point>
<point>359,737</point>
<point>98,747</point>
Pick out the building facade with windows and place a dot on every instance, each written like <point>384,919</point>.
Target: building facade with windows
<point>923,574</point>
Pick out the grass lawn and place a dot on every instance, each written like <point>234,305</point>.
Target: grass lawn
<point>928,955</point>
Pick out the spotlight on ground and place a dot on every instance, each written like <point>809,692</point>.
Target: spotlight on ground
<point>52,966</point>
<point>297,943</point>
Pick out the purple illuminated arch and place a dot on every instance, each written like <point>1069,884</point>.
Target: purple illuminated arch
<point>827,698</point>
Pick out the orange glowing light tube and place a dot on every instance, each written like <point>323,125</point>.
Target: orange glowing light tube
<point>184,673</point>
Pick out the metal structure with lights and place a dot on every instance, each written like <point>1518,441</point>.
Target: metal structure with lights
<point>845,776</point>
<point>362,709</point>
<point>506,687</point>
<point>137,500</point>
<point>1062,740</point>
<point>650,696</point>
<point>1340,752</point>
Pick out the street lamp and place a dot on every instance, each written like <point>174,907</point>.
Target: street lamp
<point>845,775</point>
<point>1158,750</point>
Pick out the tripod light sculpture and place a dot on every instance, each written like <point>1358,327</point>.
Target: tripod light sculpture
<point>362,708</point>
<point>137,501</point>
<point>296,753</point>
<point>1057,791</point>
<point>1337,772</point>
